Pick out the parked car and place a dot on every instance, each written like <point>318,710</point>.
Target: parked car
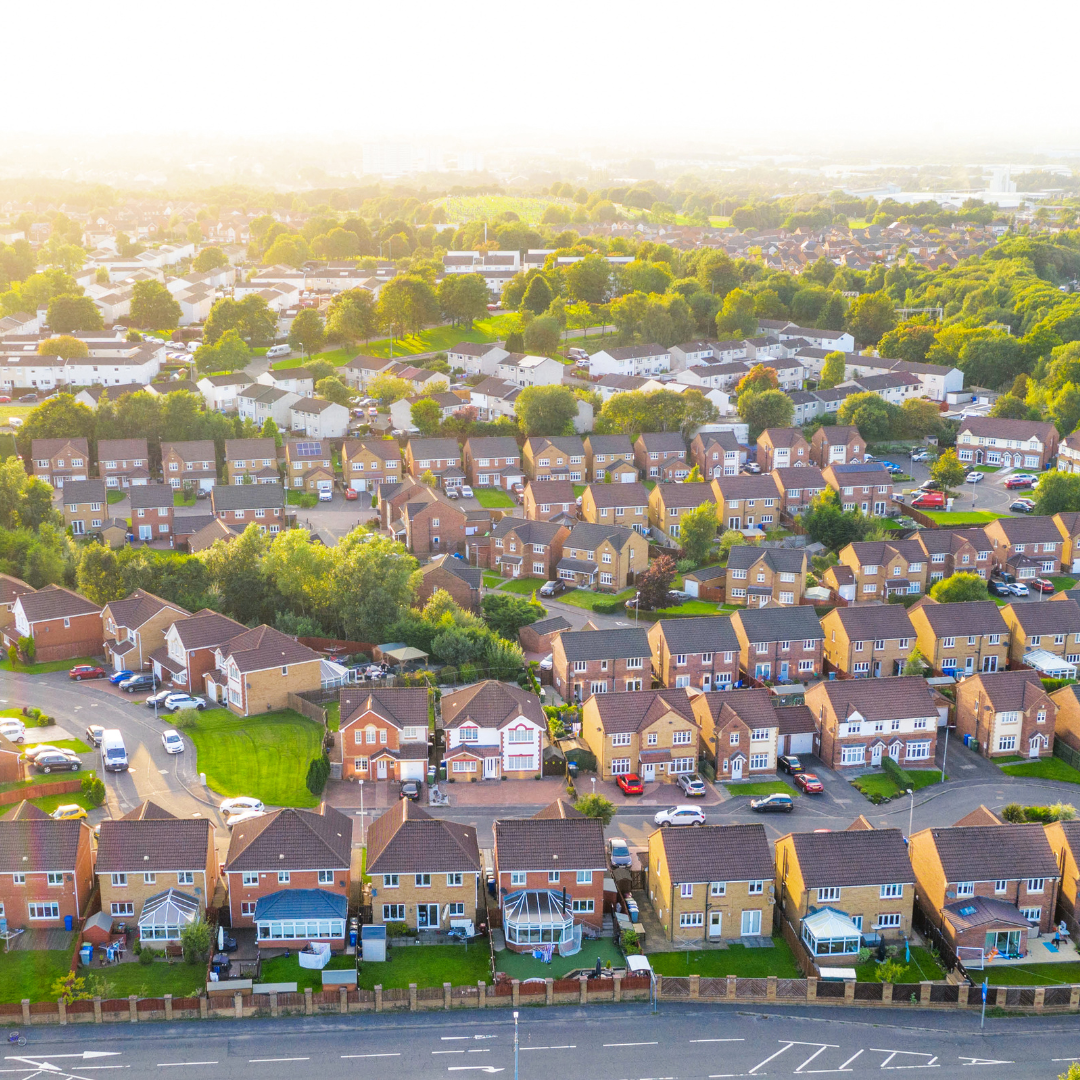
<point>1017,588</point>
<point>466,491</point>
<point>117,677</point>
<point>94,733</point>
<point>774,804</point>
<point>326,496</point>
<point>920,455</point>
<point>890,465</point>
<point>1040,584</point>
<point>68,812</point>
<point>1018,482</point>
<point>998,588</point>
<point>630,784</point>
<point>410,789</point>
<point>31,753</point>
<point>145,680</point>
<point>453,493</point>
<point>86,671</point>
<point>930,485</point>
<point>691,784</point>
<point>157,701</point>
<point>553,588</point>
<point>973,478</point>
<point>175,702</point>
<point>240,803</point>
<point>752,467</point>
<point>1022,507</point>
<point>57,761</point>
<point>618,851</point>
<point>13,730</point>
<point>680,815</point>
<point>1002,575</point>
<point>1033,477</point>
<point>789,763</point>
<point>929,500</point>
<point>351,494</point>
<point>518,492</point>
<point>809,783</point>
<point>1026,501</point>
<point>232,820</point>
<point>172,741</point>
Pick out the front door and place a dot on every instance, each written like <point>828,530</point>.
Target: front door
<point>875,754</point>
<point>427,916</point>
<point>491,768</point>
<point>969,664</point>
<point>380,768</point>
<point>1034,746</point>
<point>715,920</point>
<point>648,772</point>
<point>989,663</point>
<point>783,670</point>
<point>751,923</point>
<point>146,532</point>
<point>736,768</point>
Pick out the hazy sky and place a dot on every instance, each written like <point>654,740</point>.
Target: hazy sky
<point>705,73</point>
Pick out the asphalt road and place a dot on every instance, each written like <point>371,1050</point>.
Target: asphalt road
<point>618,1042</point>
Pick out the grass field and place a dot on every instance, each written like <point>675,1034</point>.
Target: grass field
<point>923,968</point>
<point>762,787</point>
<point>9,411</point>
<point>30,974</point>
<point>44,669</point>
<point>583,598</point>
<point>465,208</point>
<point>1032,974</point>
<point>963,517</point>
<point>428,965</point>
<point>1050,768</point>
<point>734,960</point>
<point>288,969</point>
<point>264,756</point>
<point>493,498</point>
<point>881,784</point>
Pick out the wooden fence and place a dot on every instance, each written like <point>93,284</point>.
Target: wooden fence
<point>37,791</point>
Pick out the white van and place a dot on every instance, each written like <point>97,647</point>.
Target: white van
<point>113,751</point>
<point>277,350</point>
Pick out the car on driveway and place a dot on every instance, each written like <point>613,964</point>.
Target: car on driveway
<point>692,785</point>
<point>56,761</point>
<point>410,789</point>
<point>175,702</point>
<point>998,588</point>
<point>351,494</point>
<point>13,729</point>
<point>1040,584</point>
<point>86,671</point>
<point>809,783</point>
<point>31,753</point>
<point>143,681</point>
<point>618,851</point>
<point>326,496</point>
<point>789,763</point>
<point>466,491</point>
<point>929,500</point>
<point>94,733</point>
<point>773,804</point>
<point>973,478</point>
<point>157,701</point>
<point>1017,588</point>
<point>919,455</point>
<point>117,677</point>
<point>553,588</point>
<point>240,803</point>
<point>1017,482</point>
<point>1022,508</point>
<point>630,784</point>
<point>172,741</point>
<point>68,812</point>
<point>930,485</point>
<point>680,815</point>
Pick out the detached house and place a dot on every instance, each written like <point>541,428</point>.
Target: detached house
<point>123,462</point>
<point>884,568</point>
<point>960,639</point>
<point>609,455</point>
<point>661,455</point>
<point>1007,713</point>
<point>601,661</point>
<point>135,627</point>
<point>426,871</point>
<point>717,453</point>
<point>288,874</point>
<point>758,576</point>
<point>650,733</point>
<point>241,504</point>
<point>527,548</point>
<point>492,729</point>
<point>954,551</point>
<point>779,644</point>
<point>549,877</point>
<point>453,576</point>
<point>549,499</point>
<point>84,504</point>
<point>251,461</point>
<point>558,458</point>
<point>57,461</point>
<point>1031,444</point>
<point>605,557</point>
<point>782,448</point>
<point>617,504</point>
<point>63,624</point>
<point>868,640</point>
<point>309,465</point>
<point>494,461</point>
<point>1028,547</point>
<point>668,503</point>
<point>746,502</point>
<point>152,512</point>
<point>440,457</point>
<point>384,733</point>
<point>318,418</point>
<point>702,653</point>
<point>188,652</point>
<point>740,732</point>
<point>836,445</point>
<point>367,463</point>
<point>192,464</point>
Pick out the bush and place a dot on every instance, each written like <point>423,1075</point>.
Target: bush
<point>630,942</point>
<point>900,777</point>
<point>889,971</point>
<point>93,789</point>
<point>195,940</point>
<point>684,566</point>
<point>318,774</point>
<point>396,929</point>
<point>185,719</point>
<point>146,957</point>
<point>1038,813</point>
<point>1014,813</point>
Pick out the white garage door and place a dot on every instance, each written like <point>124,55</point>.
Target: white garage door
<point>801,744</point>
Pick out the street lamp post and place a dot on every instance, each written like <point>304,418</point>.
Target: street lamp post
<point>944,755</point>
<point>911,812</point>
<point>515,1045</point>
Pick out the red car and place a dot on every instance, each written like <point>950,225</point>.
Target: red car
<point>86,671</point>
<point>1018,482</point>
<point>809,783</point>
<point>1041,585</point>
<point>929,500</point>
<point>631,784</point>
<point>351,494</point>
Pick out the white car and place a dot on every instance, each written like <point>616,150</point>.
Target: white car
<point>326,496</point>
<point>15,421</point>
<point>466,491</point>
<point>1017,588</point>
<point>175,702</point>
<point>239,803</point>
<point>232,820</point>
<point>15,730</point>
<point>973,478</point>
<point>172,742</point>
<point>680,815</point>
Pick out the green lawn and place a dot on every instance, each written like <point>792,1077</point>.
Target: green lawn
<point>1051,768</point>
<point>493,498</point>
<point>184,498</point>
<point>43,669</point>
<point>428,965</point>
<point>333,715</point>
<point>691,607</point>
<point>49,803</point>
<point>1062,583</point>
<point>963,517</point>
<point>77,746</point>
<point>522,966</point>
<point>523,586</point>
<point>264,756</point>
<point>584,598</point>
<point>880,783</point>
<point>30,974</point>
<point>987,468</point>
<point>734,960</point>
<point>152,980</point>
<point>288,969</point>
<point>492,581</point>
<point>923,968</point>
<point>761,787</point>
<point>114,496</point>
<point>1030,974</point>
<point>304,499</point>
<point>579,490</point>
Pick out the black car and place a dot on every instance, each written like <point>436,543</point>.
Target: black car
<point>142,681</point>
<point>789,763</point>
<point>774,804</point>
<point>1021,508</point>
<point>54,761</point>
<point>998,588</point>
<point>94,733</point>
<point>410,789</point>
<point>553,588</point>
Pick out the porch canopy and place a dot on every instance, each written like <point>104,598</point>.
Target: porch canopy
<point>538,917</point>
<point>165,914</point>
<point>829,932</point>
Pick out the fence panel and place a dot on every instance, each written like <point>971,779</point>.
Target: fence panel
<point>464,996</point>
<point>748,988</point>
<point>186,1003</point>
<point>531,986</point>
<point>712,988</point>
<point>945,992</point>
<point>88,1006</point>
<point>570,986</point>
<point>867,991</point>
<point>1057,995</point>
<point>398,993</point>
<point>429,993</point>
<point>830,989</point>
<point>39,1008</point>
<point>635,982</point>
<point>676,987</point>
<point>150,1004</point>
<point>791,989</point>
<point>504,989</point>
<point>902,993</point>
<point>290,1001</point>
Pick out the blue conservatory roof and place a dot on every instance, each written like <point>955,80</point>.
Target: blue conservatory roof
<point>301,904</point>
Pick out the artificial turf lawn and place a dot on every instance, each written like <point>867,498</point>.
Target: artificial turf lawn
<point>286,969</point>
<point>264,756</point>
<point>734,960</point>
<point>493,498</point>
<point>427,965</point>
<point>525,966</point>
<point>881,784</point>
<point>1050,768</point>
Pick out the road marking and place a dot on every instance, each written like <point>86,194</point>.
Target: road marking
<point>843,1068</point>
<point>716,1040</point>
<point>473,1068</point>
<point>86,1054</point>
<point>260,1061</point>
<point>571,1046</point>
<point>653,1043</point>
<point>984,1061</point>
<point>177,1064</point>
<point>820,1047</point>
<point>931,1064</point>
<point>368,1055</point>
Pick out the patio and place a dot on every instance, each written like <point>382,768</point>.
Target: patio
<point>1041,950</point>
<point>525,966</point>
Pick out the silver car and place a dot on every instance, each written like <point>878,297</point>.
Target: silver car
<point>691,784</point>
<point>618,851</point>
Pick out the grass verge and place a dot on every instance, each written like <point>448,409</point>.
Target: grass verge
<point>734,960</point>
<point>1062,583</point>
<point>52,665</point>
<point>1050,768</point>
<point>963,517</point>
<point>761,787</point>
<point>584,598</point>
<point>493,498</point>
<point>880,783</point>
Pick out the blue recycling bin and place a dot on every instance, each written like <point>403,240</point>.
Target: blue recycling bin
<point>86,954</point>
<point>69,923</point>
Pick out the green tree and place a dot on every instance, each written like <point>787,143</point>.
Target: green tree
<point>832,370</point>
<point>546,410</point>
<point>374,581</point>
<point>406,304</point>
<point>908,341</point>
<point>195,938</point>
<point>876,418</point>
<point>596,806</point>
<point>920,418</point>
<point>236,570</point>
<point>737,318</point>
<point>353,316</point>
<point>463,298</point>
<point>507,614</point>
<point>60,417</point>
<point>770,408</point>
<point>210,258</point>
<point>98,575</point>
<point>1064,408</point>
<point>733,538</point>
<point>959,588</point>
<point>1010,407</point>
<point>992,359</point>
<point>93,789</point>
<point>1059,493</point>
<point>228,353</point>
<point>153,307</point>
<point>386,389</point>
<point>542,336</point>
<point>871,316</point>
<point>589,281</point>
<point>251,318</point>
<point>269,430</point>
<point>538,295</point>
<point>70,314</point>
<point>317,775</point>
<point>827,523</point>
<point>307,332</point>
<point>426,416</point>
<point>916,663</point>
<point>948,471</point>
<point>697,531</point>
<point>65,347</point>
<point>333,389</point>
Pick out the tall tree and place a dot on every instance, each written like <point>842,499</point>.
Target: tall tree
<point>406,304</point>
<point>353,316</point>
<point>65,347</point>
<point>210,258</point>
<point>959,589</point>
<point>832,370</point>
<point>769,408</point>
<point>374,581</point>
<point>871,316</point>
<point>546,410</point>
<point>538,295</point>
<point>737,318</point>
<point>69,314</point>
<point>697,531</point>
<point>948,471</point>
<point>153,307</point>
<point>307,333</point>
<point>426,416</point>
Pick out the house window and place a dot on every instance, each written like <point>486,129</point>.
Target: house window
<point>691,918</point>
<point>454,880</point>
<point>248,908</point>
<point>422,881</point>
<point>119,881</point>
<point>891,920</point>
<point>620,739</point>
<point>759,761</point>
<point>755,888</point>
<point>1006,742</point>
<point>965,888</point>
<point>1000,886</point>
<point>892,892</point>
<point>123,908</point>
<point>826,896</point>
<point>686,891</point>
<point>283,877</point>
<point>326,877</point>
<point>1035,885</point>
<point>583,907</point>
<point>681,738</point>
<point>251,877</point>
<point>44,911</point>
<point>393,912</point>
<point>148,879</point>
<point>553,877</point>
<point>718,888</point>
<point>455,909</point>
<point>1032,914</point>
<point>734,738</point>
<point>584,877</point>
<point>517,877</point>
<point>852,755</point>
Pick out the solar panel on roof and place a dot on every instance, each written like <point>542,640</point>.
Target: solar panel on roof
<point>309,449</point>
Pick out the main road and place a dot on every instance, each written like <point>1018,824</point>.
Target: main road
<point>616,1042</point>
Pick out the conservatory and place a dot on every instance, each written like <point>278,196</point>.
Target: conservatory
<point>830,933</point>
<point>165,914</point>
<point>537,917</point>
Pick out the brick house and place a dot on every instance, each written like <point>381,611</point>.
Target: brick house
<point>884,568</point>
<point>85,506</point>
<point>188,652</point>
<point>63,624</point>
<point>588,662</point>
<point>527,548</point>
<point>779,644</point>
<point>837,888</point>
<point>711,884</point>
<point>384,733</point>
<point>440,457</point>
<point>1052,628</point>
<point>57,461</point>
<point>986,887</point>
<point>123,462</point>
<point>701,652</point>
<point>960,639</point>
<point>1028,547</point>
<point>859,723</point>
<point>1007,713</point>
<point>191,464</point>
<point>836,445</point>
<point>717,453</point>
<point>706,583</point>
<point>1067,723</point>
<point>539,637</point>
<point>429,523</point>
<point>798,486</point>
<point>746,502</point>
<point>142,859</point>
<point>740,732</point>
<point>617,504</point>
<point>288,874</point>
<point>152,513</point>
<point>1032,444</point>
<point>46,869</point>
<point>1064,840</point>
<point>240,505</point>
<point>426,870</point>
<point>1068,525</point>
<point>661,455</point>
<point>549,872</point>
<point>604,557</point>
<point>558,458</point>
<point>868,640</point>
<point>782,448</point>
<point>544,501</point>
<point>650,733</point>
<point>604,453</point>
<point>954,551</point>
<point>256,671</point>
<point>668,503</point>
<point>309,465</point>
<point>135,627</point>
<point>11,588</point>
<point>493,461</point>
<point>758,576</point>
<point>867,488</point>
<point>367,463</point>
<point>461,581</point>
<point>251,461</point>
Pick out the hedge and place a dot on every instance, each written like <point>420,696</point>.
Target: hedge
<point>898,776</point>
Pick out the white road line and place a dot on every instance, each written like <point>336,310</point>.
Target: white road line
<point>716,1040</point>
<point>821,1047</point>
<point>984,1061</point>
<point>571,1046</point>
<point>931,1064</point>
<point>786,1046</point>
<point>843,1068</point>
<point>653,1043</point>
<point>176,1064</point>
<point>345,1056</point>
<point>447,1052</point>
<point>260,1061</point>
